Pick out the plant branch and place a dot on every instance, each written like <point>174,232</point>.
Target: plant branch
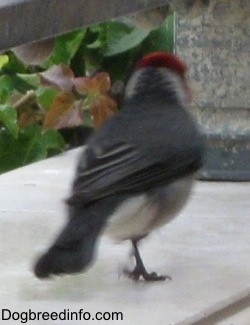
<point>27,99</point>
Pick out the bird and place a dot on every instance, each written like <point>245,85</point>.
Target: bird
<point>135,173</point>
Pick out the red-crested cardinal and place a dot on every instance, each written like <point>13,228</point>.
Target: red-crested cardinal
<point>136,172</point>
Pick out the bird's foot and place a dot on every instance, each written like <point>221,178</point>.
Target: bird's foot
<point>140,270</point>
<point>136,274</point>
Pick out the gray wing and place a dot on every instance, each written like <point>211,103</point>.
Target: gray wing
<point>125,168</point>
<point>131,155</point>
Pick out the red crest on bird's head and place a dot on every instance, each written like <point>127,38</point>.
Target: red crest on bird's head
<point>163,60</point>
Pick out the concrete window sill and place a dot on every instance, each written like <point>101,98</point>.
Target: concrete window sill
<point>205,250</point>
<point>25,21</point>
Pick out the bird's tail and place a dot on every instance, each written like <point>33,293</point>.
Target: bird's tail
<point>74,248</point>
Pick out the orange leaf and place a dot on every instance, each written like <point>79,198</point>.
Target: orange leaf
<point>103,82</point>
<point>73,117</point>
<point>99,84</point>
<point>102,109</point>
<point>82,85</point>
<point>61,105</point>
<point>97,99</point>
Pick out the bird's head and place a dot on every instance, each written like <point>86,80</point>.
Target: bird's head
<point>163,60</point>
<point>160,69</point>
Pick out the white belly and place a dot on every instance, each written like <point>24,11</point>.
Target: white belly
<point>139,215</point>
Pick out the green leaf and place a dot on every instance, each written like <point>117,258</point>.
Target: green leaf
<point>96,37</point>
<point>65,48</point>
<point>15,82</point>
<point>95,45</point>
<point>122,38</point>
<point>160,39</point>
<point>52,139</point>
<point>14,65</point>
<point>31,79</point>
<point>9,155</point>
<point>32,144</point>
<point>4,95</point>
<point>46,96</point>
<point>3,60</point>
<point>8,117</point>
<point>7,83</point>
<point>21,85</point>
<point>18,152</point>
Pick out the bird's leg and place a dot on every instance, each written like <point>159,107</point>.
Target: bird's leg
<point>140,270</point>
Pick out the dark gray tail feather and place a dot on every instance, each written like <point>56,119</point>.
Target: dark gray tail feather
<point>74,248</point>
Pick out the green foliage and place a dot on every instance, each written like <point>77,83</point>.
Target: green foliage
<point>120,38</point>
<point>65,48</point>
<point>3,60</point>
<point>33,97</point>
<point>8,118</point>
<point>46,96</point>
<point>32,144</point>
<point>161,39</point>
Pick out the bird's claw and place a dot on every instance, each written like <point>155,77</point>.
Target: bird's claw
<point>153,276</point>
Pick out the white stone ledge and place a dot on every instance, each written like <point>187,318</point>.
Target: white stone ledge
<point>205,250</point>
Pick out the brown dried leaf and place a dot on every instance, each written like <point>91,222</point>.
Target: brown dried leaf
<point>99,84</point>
<point>82,85</point>
<point>59,76</point>
<point>98,100</point>
<point>101,109</point>
<point>29,117</point>
<point>103,82</point>
<point>72,118</point>
<point>61,106</point>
